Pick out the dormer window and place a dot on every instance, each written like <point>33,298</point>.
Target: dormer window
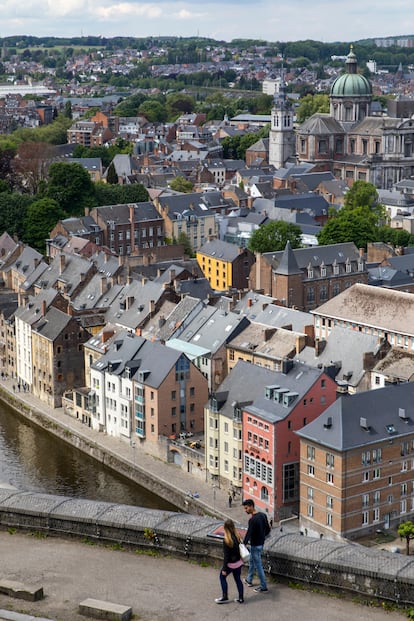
<point>310,271</point>
<point>348,266</point>
<point>335,267</point>
<point>323,270</point>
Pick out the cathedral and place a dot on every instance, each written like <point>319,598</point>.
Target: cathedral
<point>350,141</point>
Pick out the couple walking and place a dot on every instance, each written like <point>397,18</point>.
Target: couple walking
<point>257,531</point>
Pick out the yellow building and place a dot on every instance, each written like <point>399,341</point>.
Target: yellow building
<point>225,265</point>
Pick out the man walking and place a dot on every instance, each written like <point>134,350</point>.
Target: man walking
<point>257,531</point>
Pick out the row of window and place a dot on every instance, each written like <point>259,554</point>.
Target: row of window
<point>259,469</point>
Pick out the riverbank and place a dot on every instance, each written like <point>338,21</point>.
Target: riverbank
<point>166,480</point>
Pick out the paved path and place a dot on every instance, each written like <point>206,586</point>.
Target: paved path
<point>158,589</point>
<point>215,498</point>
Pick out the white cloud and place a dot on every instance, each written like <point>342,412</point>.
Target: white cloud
<point>324,20</point>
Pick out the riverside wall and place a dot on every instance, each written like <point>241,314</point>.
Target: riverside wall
<point>343,567</point>
<point>112,459</point>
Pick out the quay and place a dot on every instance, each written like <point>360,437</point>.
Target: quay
<point>167,480</point>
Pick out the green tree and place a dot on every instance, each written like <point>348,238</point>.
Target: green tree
<point>184,241</point>
<point>180,184</point>
<point>13,209</point>
<point>107,194</point>
<point>68,109</point>
<point>41,217</point>
<point>406,531</point>
<point>358,220</point>
<point>179,103</point>
<point>359,225</point>
<point>310,104</point>
<point>274,236</point>
<point>153,110</point>
<point>71,187</point>
<point>111,176</point>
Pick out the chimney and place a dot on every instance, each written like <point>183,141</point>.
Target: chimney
<point>106,335</point>
<point>43,308</point>
<point>319,346</point>
<point>267,333</point>
<point>172,275</point>
<point>249,302</point>
<point>152,306</point>
<point>86,211</point>
<point>70,310</point>
<point>62,263</point>
<point>104,284</point>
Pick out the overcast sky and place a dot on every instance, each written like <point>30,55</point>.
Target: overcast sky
<point>271,20</point>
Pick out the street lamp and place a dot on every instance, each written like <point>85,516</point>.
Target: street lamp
<point>214,497</point>
<point>133,445</point>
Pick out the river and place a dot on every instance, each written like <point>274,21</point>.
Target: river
<point>33,460</point>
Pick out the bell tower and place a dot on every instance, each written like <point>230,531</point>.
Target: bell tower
<point>281,135</point>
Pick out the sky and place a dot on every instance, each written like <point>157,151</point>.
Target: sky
<point>270,20</point>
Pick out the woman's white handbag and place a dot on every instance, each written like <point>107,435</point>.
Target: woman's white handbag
<point>244,552</point>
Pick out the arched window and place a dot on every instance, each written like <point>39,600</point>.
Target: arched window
<point>264,494</point>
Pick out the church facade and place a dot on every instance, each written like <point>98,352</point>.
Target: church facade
<point>349,141</point>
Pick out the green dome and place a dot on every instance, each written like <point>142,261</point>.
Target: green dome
<point>351,85</point>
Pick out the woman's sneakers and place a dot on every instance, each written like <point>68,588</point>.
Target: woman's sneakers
<point>221,600</point>
<point>239,601</point>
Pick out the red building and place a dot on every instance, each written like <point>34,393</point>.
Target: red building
<point>271,447</point>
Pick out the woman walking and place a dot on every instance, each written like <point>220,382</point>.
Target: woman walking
<point>232,563</point>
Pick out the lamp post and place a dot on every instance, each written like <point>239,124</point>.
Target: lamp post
<point>133,445</point>
<point>214,497</point>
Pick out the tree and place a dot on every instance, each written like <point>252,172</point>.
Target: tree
<point>274,235</point>
<point>358,220</point>
<point>71,187</point>
<point>184,241</point>
<point>180,184</point>
<point>107,194</point>
<point>406,531</point>
<point>31,164</point>
<point>111,176</point>
<point>41,217</point>
<point>13,209</point>
<point>311,104</point>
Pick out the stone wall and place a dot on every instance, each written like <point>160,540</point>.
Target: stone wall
<point>341,566</point>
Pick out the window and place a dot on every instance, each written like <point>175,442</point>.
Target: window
<point>365,500</point>
<point>376,515</point>
<point>376,474</point>
<point>310,493</point>
<point>173,395</point>
<point>376,456</point>
<point>329,519</point>
<point>365,518</point>
<point>377,497</point>
<point>329,502</point>
<point>311,470</point>
<point>403,489</point>
<point>226,447</point>
<point>330,478</point>
<point>330,460</point>
<point>311,452</point>
<point>310,511</point>
<point>365,476</point>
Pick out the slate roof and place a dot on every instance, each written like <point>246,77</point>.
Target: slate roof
<point>311,202</point>
<point>52,324</point>
<point>220,250</point>
<point>171,318</point>
<point>315,256</point>
<point>212,327</point>
<point>246,385</point>
<point>276,316</point>
<point>184,205</point>
<point>344,349</point>
<point>386,309</point>
<point>288,264</point>
<point>31,311</point>
<point>74,272</point>
<point>120,214</point>
<point>339,426</point>
<point>321,124</point>
<point>141,297</point>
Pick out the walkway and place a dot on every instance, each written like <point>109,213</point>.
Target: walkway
<point>157,589</point>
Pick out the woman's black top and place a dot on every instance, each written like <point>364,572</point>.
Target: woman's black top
<point>231,555</point>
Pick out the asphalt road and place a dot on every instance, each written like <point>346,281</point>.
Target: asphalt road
<point>157,588</point>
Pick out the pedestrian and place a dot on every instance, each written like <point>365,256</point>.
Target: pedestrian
<point>232,563</point>
<point>257,530</point>
<point>14,388</point>
<point>230,500</point>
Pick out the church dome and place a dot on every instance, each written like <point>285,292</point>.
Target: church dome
<point>351,83</point>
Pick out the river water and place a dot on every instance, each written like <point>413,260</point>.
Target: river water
<point>33,460</point>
